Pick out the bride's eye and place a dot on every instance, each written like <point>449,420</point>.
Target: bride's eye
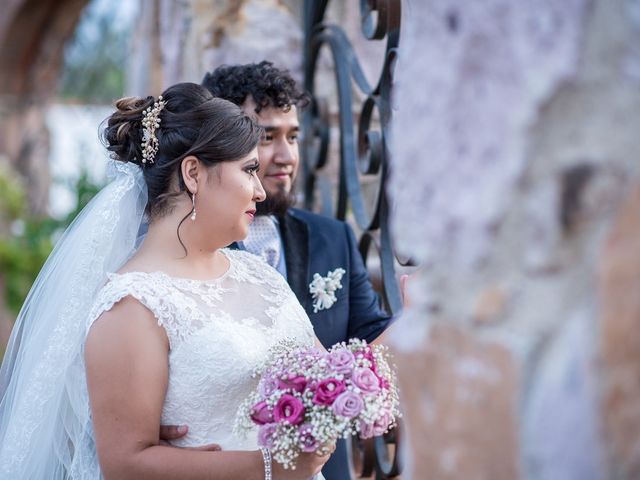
<point>252,169</point>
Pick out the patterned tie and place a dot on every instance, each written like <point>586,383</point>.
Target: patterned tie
<point>264,240</point>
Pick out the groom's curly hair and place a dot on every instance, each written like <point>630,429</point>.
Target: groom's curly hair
<point>269,86</point>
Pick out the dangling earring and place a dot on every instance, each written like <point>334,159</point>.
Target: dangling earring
<point>193,211</point>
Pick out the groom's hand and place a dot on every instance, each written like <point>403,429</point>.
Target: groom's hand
<point>173,432</point>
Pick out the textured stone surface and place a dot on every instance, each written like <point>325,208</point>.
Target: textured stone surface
<point>525,150</point>
<point>620,347</point>
<point>180,41</point>
<point>460,395</point>
<point>496,61</point>
<point>559,416</point>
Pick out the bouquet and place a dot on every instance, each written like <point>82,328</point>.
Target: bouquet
<point>308,398</point>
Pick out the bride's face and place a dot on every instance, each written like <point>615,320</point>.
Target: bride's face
<point>226,202</point>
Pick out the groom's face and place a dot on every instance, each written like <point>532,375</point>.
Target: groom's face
<point>278,150</point>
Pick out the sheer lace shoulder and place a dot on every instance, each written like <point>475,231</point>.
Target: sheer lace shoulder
<point>157,292</point>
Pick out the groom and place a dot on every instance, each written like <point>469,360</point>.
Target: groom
<point>298,243</point>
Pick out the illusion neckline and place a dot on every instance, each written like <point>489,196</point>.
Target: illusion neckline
<point>160,273</point>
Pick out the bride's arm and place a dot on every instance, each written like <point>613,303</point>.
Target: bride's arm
<point>126,357</point>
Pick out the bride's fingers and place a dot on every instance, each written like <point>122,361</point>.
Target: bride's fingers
<point>172,432</point>
<point>213,447</point>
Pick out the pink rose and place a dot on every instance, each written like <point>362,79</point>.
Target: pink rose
<point>382,423</point>
<point>327,391</point>
<point>267,435</point>
<point>289,409</point>
<point>384,384</point>
<point>366,430</point>
<point>366,380</point>
<point>348,404</point>
<point>261,413</point>
<point>367,354</point>
<point>308,442</point>
<point>341,360</point>
<point>294,383</point>
<point>378,427</point>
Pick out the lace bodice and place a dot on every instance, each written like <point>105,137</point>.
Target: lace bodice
<point>219,331</point>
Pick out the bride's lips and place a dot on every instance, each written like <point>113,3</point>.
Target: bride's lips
<point>251,213</point>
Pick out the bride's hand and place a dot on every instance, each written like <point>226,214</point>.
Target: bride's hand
<point>173,432</point>
<point>307,466</point>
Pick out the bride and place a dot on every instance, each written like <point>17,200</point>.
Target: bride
<point>124,331</point>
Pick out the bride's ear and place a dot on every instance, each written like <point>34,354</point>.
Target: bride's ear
<point>190,169</point>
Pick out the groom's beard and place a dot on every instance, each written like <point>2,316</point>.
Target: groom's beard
<point>276,203</point>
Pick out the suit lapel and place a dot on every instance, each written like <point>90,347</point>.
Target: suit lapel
<point>295,236</point>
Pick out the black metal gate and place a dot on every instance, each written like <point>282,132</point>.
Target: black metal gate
<point>363,152</point>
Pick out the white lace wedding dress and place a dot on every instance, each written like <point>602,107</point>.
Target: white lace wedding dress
<point>219,331</point>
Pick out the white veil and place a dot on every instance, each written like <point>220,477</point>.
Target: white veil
<point>45,428</point>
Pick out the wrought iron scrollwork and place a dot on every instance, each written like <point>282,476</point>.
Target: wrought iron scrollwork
<point>364,152</point>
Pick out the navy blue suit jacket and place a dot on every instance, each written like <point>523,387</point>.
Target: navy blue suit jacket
<point>318,244</point>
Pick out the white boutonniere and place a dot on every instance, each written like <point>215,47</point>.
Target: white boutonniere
<point>323,289</point>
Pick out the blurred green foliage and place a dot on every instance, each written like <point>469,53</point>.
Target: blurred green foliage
<point>29,240</point>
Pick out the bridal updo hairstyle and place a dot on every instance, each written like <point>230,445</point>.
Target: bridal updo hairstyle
<point>192,122</point>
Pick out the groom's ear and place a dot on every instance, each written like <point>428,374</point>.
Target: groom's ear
<point>190,168</point>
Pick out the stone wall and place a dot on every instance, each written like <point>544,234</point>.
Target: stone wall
<point>518,354</point>
<point>198,35</point>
